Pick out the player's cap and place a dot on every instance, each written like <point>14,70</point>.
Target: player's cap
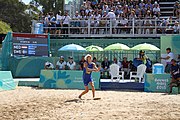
<point>88,55</point>
<point>70,57</point>
<point>62,57</point>
<point>47,63</point>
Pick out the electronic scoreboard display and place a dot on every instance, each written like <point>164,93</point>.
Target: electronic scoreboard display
<point>30,45</point>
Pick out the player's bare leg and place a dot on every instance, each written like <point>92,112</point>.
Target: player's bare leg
<point>93,89</point>
<point>84,92</point>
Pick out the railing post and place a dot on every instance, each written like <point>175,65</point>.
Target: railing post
<point>156,25</point>
<point>110,27</point>
<point>89,29</point>
<point>133,26</point>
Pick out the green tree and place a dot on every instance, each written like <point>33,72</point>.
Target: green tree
<point>51,5</point>
<point>13,13</point>
<point>4,28</point>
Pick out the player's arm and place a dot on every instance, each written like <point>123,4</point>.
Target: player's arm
<point>88,69</point>
<point>166,58</point>
<point>95,67</point>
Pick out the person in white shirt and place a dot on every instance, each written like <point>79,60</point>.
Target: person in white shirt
<point>168,59</point>
<point>156,10</point>
<point>112,17</point>
<point>58,22</point>
<point>76,22</point>
<point>83,23</point>
<point>176,27</point>
<point>66,21</point>
<point>97,18</point>
<point>71,64</point>
<point>61,64</point>
<point>48,66</point>
<point>115,61</point>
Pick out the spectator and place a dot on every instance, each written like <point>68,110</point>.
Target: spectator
<point>112,17</point>
<point>141,4</point>
<point>178,59</point>
<point>105,64</point>
<point>142,56</point>
<point>97,63</point>
<point>81,63</point>
<point>168,59</point>
<point>66,21</point>
<point>156,10</point>
<point>163,25</point>
<point>52,23</point>
<point>61,64</point>
<point>103,21</point>
<point>148,24</point>
<point>149,6</point>
<point>126,67</point>
<point>115,61</point>
<point>175,73</point>
<point>46,23</point>
<point>176,9</point>
<point>97,18</point>
<point>58,23</point>
<point>83,22</point>
<point>76,22</point>
<point>176,28</point>
<point>71,64</point>
<point>48,66</point>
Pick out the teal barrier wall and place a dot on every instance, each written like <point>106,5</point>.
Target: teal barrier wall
<point>170,41</point>
<point>157,82</point>
<point>29,66</point>
<point>6,81</point>
<point>65,79</point>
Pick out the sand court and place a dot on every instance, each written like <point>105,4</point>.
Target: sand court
<point>26,103</point>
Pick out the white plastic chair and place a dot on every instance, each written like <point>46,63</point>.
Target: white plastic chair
<point>114,72</point>
<point>141,69</point>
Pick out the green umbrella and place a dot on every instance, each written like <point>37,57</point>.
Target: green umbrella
<point>117,47</point>
<point>145,46</point>
<point>93,48</point>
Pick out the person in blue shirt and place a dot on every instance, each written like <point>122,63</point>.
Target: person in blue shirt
<point>88,68</point>
<point>175,73</point>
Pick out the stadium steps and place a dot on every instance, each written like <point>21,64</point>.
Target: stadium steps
<point>166,7</point>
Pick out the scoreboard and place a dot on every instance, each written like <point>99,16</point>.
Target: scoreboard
<point>30,45</point>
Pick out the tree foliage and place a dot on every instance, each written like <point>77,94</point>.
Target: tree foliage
<point>51,5</point>
<point>13,13</point>
<point>4,28</point>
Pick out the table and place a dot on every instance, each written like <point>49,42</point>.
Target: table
<point>157,82</point>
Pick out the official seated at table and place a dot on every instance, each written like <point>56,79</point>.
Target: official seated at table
<point>142,59</point>
<point>105,68</point>
<point>96,62</point>
<point>115,61</point>
<point>126,67</point>
<point>61,64</point>
<point>71,64</point>
<point>175,73</point>
<point>105,65</point>
<point>48,66</point>
<point>81,63</point>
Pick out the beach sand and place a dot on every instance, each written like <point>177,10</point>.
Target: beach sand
<point>26,103</point>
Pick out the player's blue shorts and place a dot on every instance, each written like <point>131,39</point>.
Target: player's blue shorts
<point>87,79</point>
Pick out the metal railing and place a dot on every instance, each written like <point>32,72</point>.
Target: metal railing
<point>112,28</point>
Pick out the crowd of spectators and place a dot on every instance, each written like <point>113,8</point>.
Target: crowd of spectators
<point>70,64</point>
<point>119,14</point>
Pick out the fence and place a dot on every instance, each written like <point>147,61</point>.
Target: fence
<point>113,28</point>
